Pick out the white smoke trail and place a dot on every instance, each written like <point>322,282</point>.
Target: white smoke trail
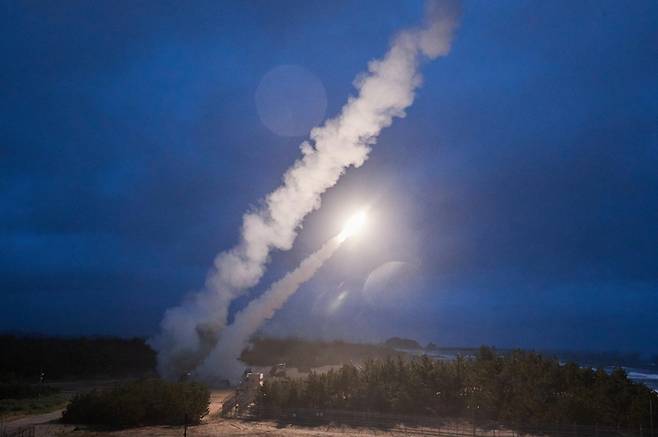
<point>223,360</point>
<point>189,331</point>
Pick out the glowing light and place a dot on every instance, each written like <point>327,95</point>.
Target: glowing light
<point>354,225</point>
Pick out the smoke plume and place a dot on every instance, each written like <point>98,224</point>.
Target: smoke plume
<point>223,360</point>
<point>190,331</point>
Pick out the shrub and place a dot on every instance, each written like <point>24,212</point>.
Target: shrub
<point>518,388</point>
<point>145,402</point>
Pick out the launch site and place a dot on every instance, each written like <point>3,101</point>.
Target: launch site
<point>329,217</point>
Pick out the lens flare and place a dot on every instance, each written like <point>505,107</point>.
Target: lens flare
<point>354,225</point>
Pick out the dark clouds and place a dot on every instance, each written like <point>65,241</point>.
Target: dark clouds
<point>130,145</point>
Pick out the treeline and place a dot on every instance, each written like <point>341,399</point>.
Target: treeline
<point>306,354</point>
<point>518,389</point>
<point>145,402</point>
<point>27,357</point>
<point>403,343</point>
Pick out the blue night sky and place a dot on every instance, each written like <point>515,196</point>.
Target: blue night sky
<point>516,204</point>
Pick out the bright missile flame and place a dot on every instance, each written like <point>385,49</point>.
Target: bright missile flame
<point>353,225</point>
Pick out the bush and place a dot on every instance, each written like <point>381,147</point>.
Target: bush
<point>519,388</point>
<point>145,402</point>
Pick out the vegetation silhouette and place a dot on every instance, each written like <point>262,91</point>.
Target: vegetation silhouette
<point>27,357</point>
<point>306,354</point>
<point>145,402</point>
<point>518,389</point>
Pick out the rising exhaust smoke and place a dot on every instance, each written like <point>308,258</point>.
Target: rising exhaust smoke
<point>190,331</point>
<point>223,362</point>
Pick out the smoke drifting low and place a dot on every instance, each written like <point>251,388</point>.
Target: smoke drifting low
<point>190,331</point>
<point>223,361</point>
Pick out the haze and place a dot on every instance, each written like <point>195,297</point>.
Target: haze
<point>514,205</point>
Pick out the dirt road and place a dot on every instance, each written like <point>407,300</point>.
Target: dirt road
<point>47,425</point>
<point>35,419</point>
<point>217,427</point>
<point>68,389</point>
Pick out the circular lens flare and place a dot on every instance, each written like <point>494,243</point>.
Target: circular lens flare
<point>353,225</point>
